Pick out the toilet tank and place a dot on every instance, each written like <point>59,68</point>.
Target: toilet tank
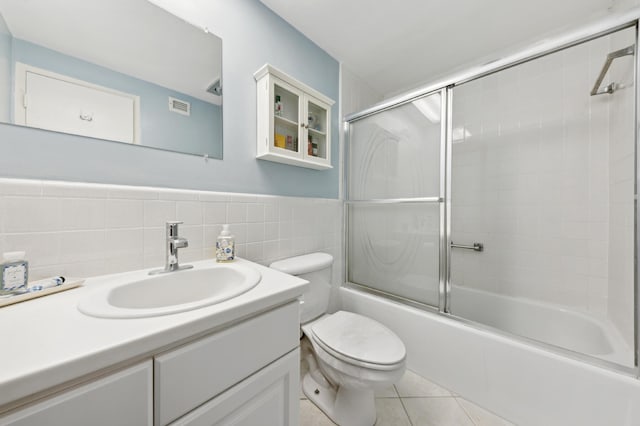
<point>315,268</point>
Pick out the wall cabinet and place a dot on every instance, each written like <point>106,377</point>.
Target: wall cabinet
<point>293,122</point>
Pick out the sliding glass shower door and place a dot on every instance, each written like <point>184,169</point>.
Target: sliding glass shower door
<point>394,204</point>
<point>543,175</point>
<point>508,199</point>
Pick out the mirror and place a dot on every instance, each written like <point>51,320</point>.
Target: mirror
<point>119,70</point>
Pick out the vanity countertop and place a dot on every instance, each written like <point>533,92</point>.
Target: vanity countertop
<point>47,342</point>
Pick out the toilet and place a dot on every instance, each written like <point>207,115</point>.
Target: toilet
<point>349,355</point>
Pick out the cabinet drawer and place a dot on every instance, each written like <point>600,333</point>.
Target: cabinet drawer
<point>269,397</point>
<point>193,374</point>
<point>122,398</point>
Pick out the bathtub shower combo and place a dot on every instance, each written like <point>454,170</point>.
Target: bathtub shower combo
<point>502,200</point>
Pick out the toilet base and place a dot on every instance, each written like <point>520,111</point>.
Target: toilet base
<point>346,407</point>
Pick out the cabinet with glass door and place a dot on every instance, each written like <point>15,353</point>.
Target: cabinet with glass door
<point>294,121</point>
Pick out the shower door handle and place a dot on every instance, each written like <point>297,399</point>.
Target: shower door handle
<point>474,247</point>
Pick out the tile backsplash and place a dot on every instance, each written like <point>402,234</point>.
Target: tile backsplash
<point>77,229</point>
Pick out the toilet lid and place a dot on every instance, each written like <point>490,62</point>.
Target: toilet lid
<point>360,338</point>
<point>303,264</point>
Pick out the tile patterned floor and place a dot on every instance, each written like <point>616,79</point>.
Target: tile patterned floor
<point>414,401</point>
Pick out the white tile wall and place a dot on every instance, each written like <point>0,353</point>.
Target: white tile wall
<point>355,95</point>
<point>622,5</point>
<point>537,182</point>
<point>620,269</point>
<point>88,229</point>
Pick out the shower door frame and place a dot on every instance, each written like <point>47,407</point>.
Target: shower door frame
<point>445,87</point>
<point>440,199</point>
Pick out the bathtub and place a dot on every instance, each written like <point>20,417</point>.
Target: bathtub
<point>520,381</point>
<point>544,322</point>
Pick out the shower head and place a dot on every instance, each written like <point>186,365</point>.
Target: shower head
<point>611,87</point>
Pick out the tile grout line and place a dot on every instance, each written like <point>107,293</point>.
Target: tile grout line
<point>465,411</point>
<point>403,406</point>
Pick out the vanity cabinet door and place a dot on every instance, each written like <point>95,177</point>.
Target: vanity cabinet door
<point>123,398</point>
<point>191,375</point>
<point>269,397</point>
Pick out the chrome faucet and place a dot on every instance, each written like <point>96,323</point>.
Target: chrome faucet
<point>173,243</point>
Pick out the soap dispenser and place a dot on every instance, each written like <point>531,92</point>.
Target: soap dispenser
<point>225,245</point>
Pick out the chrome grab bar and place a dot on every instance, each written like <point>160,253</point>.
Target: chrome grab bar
<point>397,200</point>
<point>474,247</point>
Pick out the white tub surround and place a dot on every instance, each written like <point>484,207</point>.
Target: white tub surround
<point>49,345</point>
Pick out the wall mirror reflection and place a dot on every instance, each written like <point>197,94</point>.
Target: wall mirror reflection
<point>119,70</point>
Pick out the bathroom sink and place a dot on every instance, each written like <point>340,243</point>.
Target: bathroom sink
<point>142,295</point>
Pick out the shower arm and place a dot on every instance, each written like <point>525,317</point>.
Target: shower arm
<point>610,88</point>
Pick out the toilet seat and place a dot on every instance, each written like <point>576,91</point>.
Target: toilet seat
<point>358,340</point>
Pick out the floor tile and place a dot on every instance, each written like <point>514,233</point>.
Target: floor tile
<point>412,385</point>
<point>423,403</point>
<point>303,370</point>
<point>390,412</point>
<point>388,392</point>
<point>436,412</point>
<point>480,416</point>
<point>310,415</point>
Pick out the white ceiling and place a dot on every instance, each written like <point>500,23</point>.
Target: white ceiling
<point>399,45</point>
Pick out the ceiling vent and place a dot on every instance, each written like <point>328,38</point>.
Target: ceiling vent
<point>181,107</point>
<point>215,88</point>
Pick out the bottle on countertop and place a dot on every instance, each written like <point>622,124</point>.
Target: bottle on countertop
<point>225,245</point>
<point>14,272</point>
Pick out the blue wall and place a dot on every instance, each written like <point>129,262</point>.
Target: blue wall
<point>160,128</point>
<point>5,71</point>
<point>252,36</point>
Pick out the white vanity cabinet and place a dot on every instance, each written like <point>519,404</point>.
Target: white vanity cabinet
<point>293,122</point>
<point>187,377</point>
<point>122,398</point>
<point>268,397</point>
<point>247,373</point>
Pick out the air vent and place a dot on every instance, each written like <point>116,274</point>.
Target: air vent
<point>215,88</point>
<point>181,107</point>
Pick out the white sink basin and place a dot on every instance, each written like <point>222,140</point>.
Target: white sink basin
<point>143,295</point>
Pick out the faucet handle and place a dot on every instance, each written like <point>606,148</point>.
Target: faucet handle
<point>172,227</point>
